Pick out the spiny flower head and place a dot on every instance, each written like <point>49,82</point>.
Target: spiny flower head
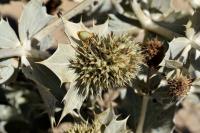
<point>85,128</point>
<point>153,51</point>
<point>179,86</point>
<point>105,122</point>
<point>105,62</point>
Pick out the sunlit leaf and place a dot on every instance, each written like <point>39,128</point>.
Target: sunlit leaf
<point>33,18</point>
<point>106,116</point>
<point>71,29</point>
<point>59,62</point>
<point>177,45</point>
<point>116,126</point>
<point>8,38</point>
<point>7,69</point>
<point>72,100</point>
<point>5,73</point>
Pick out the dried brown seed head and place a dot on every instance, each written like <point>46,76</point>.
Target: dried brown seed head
<point>153,51</point>
<point>179,86</point>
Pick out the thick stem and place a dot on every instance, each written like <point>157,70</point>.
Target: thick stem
<point>11,52</point>
<point>57,23</point>
<point>140,125</point>
<point>148,24</point>
<point>20,51</point>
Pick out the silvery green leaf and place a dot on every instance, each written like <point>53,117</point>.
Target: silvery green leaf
<point>194,66</point>
<point>7,69</point>
<point>194,89</point>
<point>72,100</point>
<point>8,38</point>
<point>59,61</point>
<point>33,19</point>
<point>196,41</point>
<point>116,126</point>
<point>173,64</point>
<point>10,62</point>
<point>101,30</point>
<point>177,45</point>
<point>71,29</point>
<point>5,73</point>
<point>106,116</point>
<point>46,43</point>
<point>196,82</point>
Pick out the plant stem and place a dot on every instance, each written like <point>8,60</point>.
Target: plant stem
<point>18,52</point>
<point>57,23</point>
<point>11,52</point>
<point>140,125</point>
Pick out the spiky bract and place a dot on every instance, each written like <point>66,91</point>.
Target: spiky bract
<point>106,62</point>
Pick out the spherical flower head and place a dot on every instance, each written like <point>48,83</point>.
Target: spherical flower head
<point>179,86</point>
<point>105,62</point>
<point>153,51</point>
<point>86,128</point>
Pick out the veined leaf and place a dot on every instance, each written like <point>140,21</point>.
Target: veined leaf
<point>7,69</point>
<point>72,100</point>
<point>101,30</point>
<point>106,116</point>
<point>59,62</point>
<point>177,45</point>
<point>8,38</point>
<point>116,126</point>
<point>33,19</point>
<point>71,29</point>
<point>5,73</point>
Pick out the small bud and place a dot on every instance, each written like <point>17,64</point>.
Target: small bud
<point>84,35</point>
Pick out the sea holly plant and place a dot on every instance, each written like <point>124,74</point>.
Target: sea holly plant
<point>144,58</point>
<point>18,48</point>
<point>105,122</point>
<point>33,19</point>
<point>183,45</point>
<point>97,61</point>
